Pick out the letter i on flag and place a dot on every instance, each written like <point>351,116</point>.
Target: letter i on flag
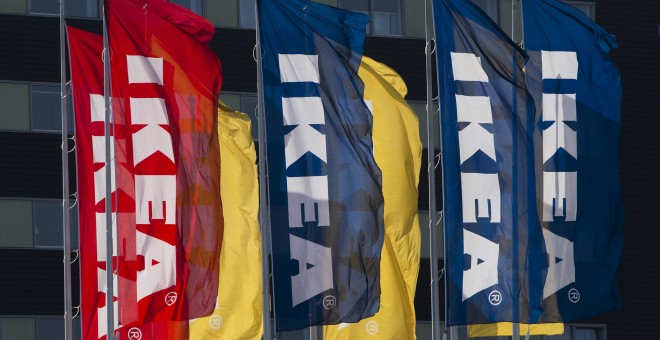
<point>167,210</point>
<point>577,91</point>
<point>398,153</point>
<point>325,188</point>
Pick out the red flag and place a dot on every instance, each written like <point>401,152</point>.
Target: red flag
<point>166,200</point>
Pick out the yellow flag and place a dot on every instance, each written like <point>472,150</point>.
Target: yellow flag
<point>398,153</point>
<point>506,329</point>
<point>238,312</point>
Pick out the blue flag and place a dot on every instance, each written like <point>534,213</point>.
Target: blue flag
<point>577,91</point>
<point>325,189</point>
<point>489,206</point>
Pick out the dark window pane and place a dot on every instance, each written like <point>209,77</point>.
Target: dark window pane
<point>249,106</point>
<point>387,6</point>
<point>246,13</point>
<point>44,6</point>
<point>356,5</point>
<point>490,7</point>
<point>82,8</point>
<point>50,329</point>
<point>193,5</point>
<point>48,223</point>
<point>45,107</point>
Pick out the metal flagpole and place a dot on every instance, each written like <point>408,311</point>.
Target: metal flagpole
<point>109,303</point>
<point>515,331</point>
<point>435,286</point>
<point>66,217</point>
<point>263,182</point>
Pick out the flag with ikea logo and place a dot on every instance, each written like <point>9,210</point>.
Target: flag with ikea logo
<point>398,153</point>
<point>489,193</point>
<point>577,91</point>
<point>324,186</point>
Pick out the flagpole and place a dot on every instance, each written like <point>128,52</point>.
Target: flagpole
<point>109,270</point>
<point>435,286</point>
<point>66,217</point>
<point>515,331</point>
<point>263,182</point>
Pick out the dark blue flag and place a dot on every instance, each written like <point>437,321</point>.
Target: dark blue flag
<point>489,206</point>
<point>326,203</point>
<point>577,91</point>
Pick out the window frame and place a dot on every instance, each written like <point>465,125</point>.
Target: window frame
<point>74,219</point>
<point>28,11</point>
<point>370,25</point>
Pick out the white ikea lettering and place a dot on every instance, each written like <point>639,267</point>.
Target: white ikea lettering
<point>310,192</point>
<point>482,275</point>
<point>558,109</point>
<point>296,68</point>
<point>315,280</point>
<point>97,106</point>
<point>479,191</point>
<point>148,111</point>
<point>303,139</point>
<point>559,65</point>
<point>159,192</point>
<point>102,312</point>
<point>307,194</point>
<point>159,265</point>
<point>561,269</point>
<point>482,188</point>
<point>155,194</point>
<point>99,181</point>
<point>144,70</point>
<point>303,110</point>
<point>474,138</point>
<point>98,148</point>
<point>150,139</point>
<point>467,67</point>
<point>560,191</point>
<point>101,246</point>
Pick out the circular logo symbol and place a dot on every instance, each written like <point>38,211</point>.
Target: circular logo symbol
<point>329,302</point>
<point>215,321</point>
<point>372,327</point>
<point>495,298</point>
<point>134,333</point>
<point>574,295</point>
<point>170,298</point>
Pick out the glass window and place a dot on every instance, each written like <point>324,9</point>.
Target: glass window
<point>588,8</point>
<point>74,8</point>
<point>48,223</point>
<point>45,108</point>
<point>246,14</point>
<point>249,106</point>
<point>491,7</point>
<point>193,5</point>
<point>386,15</point>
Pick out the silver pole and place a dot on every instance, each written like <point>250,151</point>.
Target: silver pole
<point>108,180</point>
<point>263,182</point>
<point>66,217</point>
<point>430,113</point>
<point>515,332</point>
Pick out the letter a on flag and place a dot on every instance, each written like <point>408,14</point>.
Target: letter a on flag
<point>326,202</point>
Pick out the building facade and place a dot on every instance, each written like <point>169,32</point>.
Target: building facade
<point>31,272</point>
